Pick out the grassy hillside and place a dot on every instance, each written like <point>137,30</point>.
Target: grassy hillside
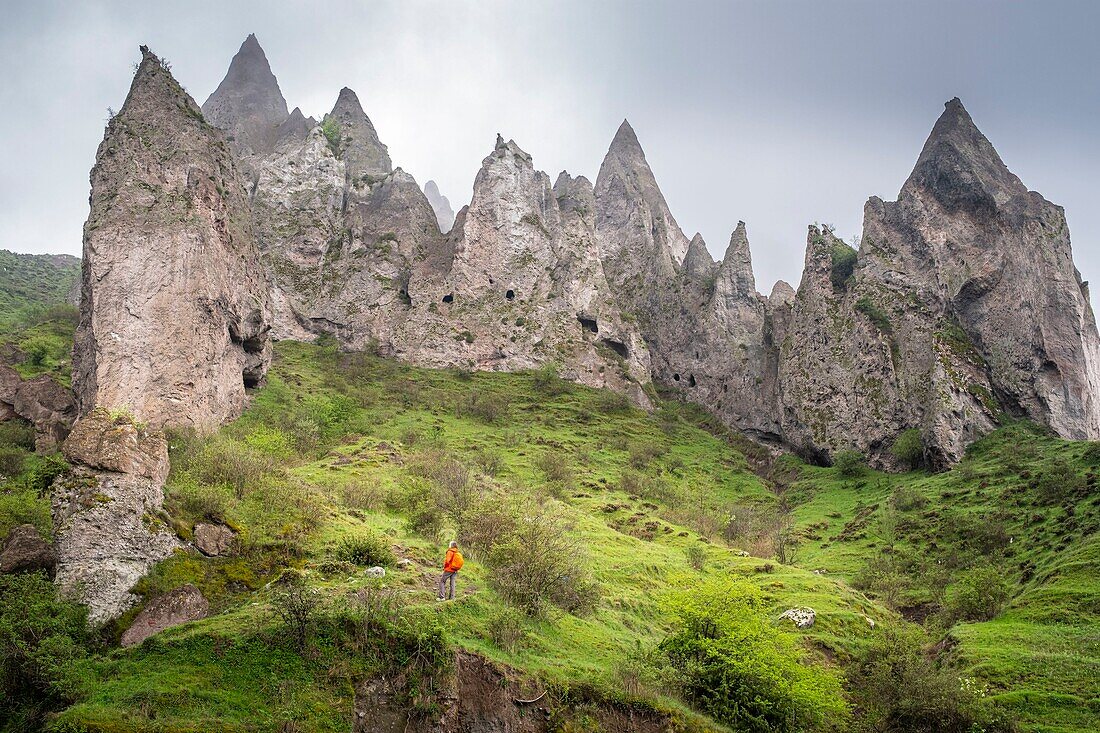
<point>34,316</point>
<point>614,558</point>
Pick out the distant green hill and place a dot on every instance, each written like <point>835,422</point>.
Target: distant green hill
<point>35,316</point>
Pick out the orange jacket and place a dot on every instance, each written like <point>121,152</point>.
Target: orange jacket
<point>448,561</point>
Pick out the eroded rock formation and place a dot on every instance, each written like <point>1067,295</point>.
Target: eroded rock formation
<point>174,317</point>
<point>444,214</point>
<point>961,306</point>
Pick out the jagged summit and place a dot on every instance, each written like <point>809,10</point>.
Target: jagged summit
<point>698,263</point>
<point>960,166</point>
<point>358,144</point>
<point>444,214</point>
<point>626,139</point>
<point>248,103</point>
<point>735,271</point>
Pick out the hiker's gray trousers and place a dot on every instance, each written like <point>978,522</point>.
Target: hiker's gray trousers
<point>448,578</point>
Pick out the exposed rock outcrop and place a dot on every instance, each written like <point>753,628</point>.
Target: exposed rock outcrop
<point>25,551</point>
<point>444,214</point>
<point>963,304</point>
<point>248,104</point>
<point>214,540</point>
<point>354,139</point>
<point>174,318</point>
<point>41,401</point>
<point>179,606</point>
<point>106,512</point>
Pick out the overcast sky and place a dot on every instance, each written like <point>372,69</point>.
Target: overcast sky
<point>777,113</point>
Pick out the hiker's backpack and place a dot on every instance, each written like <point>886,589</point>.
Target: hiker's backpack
<point>456,561</point>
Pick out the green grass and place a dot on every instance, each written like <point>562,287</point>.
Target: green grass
<point>328,450</point>
<point>337,447</point>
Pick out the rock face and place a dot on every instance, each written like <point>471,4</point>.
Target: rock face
<point>105,512</point>
<point>179,606</point>
<point>248,104</point>
<point>963,304</point>
<point>41,401</point>
<point>444,214</point>
<point>174,318</point>
<point>25,551</point>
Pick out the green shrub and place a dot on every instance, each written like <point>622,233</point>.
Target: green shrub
<point>548,381</point>
<point>331,129</point>
<point>979,594</point>
<point>42,472</point>
<point>909,448</point>
<point>612,403</point>
<point>843,264</point>
<point>17,433</point>
<point>297,606</point>
<point>11,461</point>
<point>43,649</point>
<point>696,556</point>
<point>643,453</point>
<point>486,407</point>
<point>849,463</point>
<point>896,686</point>
<point>906,499</point>
<point>1058,481</point>
<point>223,460</point>
<point>540,564</point>
<point>556,468</point>
<point>731,663</point>
<point>365,549</point>
<point>875,314</point>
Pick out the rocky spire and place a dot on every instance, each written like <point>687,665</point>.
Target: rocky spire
<point>628,197</point>
<point>960,167</point>
<point>294,128</point>
<point>355,139</point>
<point>444,214</point>
<point>248,104</point>
<point>698,264</point>
<point>174,315</point>
<point>735,278</point>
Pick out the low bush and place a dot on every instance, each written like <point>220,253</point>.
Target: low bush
<point>548,381</point>
<point>297,606</point>
<point>11,461</point>
<point>612,403</point>
<point>556,468</point>
<point>731,663</point>
<point>17,433</point>
<point>43,649</point>
<point>896,686</point>
<point>643,453</point>
<point>483,406</point>
<point>909,448</point>
<point>696,556</point>
<point>850,463</point>
<point>978,594</point>
<point>365,549</point>
<point>540,564</point>
<point>908,499</point>
<point>505,629</point>
<point>1058,482</point>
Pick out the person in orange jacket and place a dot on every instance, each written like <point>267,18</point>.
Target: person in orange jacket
<point>452,563</point>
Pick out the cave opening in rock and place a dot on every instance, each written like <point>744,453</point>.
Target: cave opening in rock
<point>448,298</point>
<point>691,380</point>
<point>589,324</point>
<point>675,377</point>
<point>251,379</point>
<point>510,295</point>
<point>618,347</point>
